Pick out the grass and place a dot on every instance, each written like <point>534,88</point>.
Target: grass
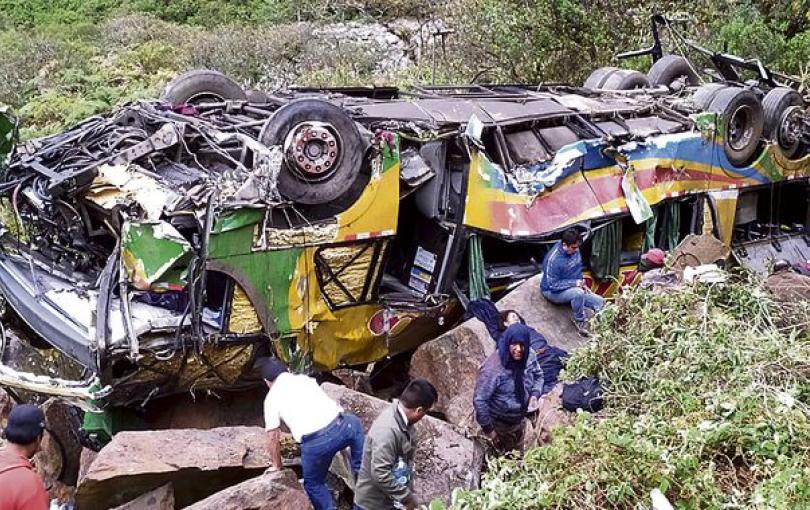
<point>707,399</point>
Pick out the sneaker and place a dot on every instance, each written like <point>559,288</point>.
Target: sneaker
<point>582,328</point>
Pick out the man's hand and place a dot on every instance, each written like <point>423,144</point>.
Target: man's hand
<point>274,437</point>
<point>534,404</point>
<point>581,283</point>
<point>410,503</point>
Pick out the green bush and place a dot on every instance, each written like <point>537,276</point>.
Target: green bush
<point>706,400</point>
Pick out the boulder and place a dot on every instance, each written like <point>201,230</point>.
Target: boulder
<point>86,458</point>
<point>451,361</point>
<point>553,321</point>
<point>6,403</point>
<point>444,458</point>
<point>788,286</point>
<point>271,491</point>
<point>59,458</point>
<point>197,463</point>
<point>550,414</point>
<point>161,498</point>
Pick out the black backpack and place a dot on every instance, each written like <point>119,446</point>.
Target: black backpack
<point>585,394</point>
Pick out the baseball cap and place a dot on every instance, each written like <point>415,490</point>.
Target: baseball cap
<point>26,423</point>
<point>272,368</point>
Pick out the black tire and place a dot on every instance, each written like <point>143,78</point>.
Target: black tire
<point>256,96</point>
<point>202,86</point>
<point>743,117</point>
<point>626,79</point>
<point>705,94</point>
<point>670,70</point>
<point>292,183</point>
<point>598,77</point>
<point>776,102</point>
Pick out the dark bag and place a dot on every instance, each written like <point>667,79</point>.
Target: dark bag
<point>585,394</point>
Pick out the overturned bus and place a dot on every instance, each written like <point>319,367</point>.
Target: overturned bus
<point>168,244</point>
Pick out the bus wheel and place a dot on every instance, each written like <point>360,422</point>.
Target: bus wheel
<point>743,118</point>
<point>783,120</point>
<point>323,150</point>
<point>202,86</point>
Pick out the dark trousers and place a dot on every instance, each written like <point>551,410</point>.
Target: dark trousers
<point>510,436</point>
<point>318,450</point>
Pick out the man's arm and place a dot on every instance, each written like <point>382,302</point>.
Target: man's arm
<point>272,423</point>
<point>383,458</point>
<point>484,388</point>
<point>274,437</point>
<point>533,365</point>
<point>555,274</point>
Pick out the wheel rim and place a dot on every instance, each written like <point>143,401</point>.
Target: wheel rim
<point>740,128</point>
<point>790,128</point>
<point>312,150</point>
<point>205,97</point>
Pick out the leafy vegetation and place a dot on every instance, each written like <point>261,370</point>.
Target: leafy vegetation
<point>707,399</point>
<point>66,59</point>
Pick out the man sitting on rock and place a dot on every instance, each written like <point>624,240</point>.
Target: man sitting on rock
<point>509,385</point>
<point>385,480</point>
<point>20,486</point>
<point>562,281</point>
<point>315,421</point>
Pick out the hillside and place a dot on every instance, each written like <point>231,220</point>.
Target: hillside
<point>66,59</point>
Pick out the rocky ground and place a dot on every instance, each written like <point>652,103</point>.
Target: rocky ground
<point>211,452</point>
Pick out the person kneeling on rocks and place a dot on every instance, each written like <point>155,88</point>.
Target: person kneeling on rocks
<point>20,486</point>
<point>385,480</point>
<point>316,421</point>
<point>509,385</point>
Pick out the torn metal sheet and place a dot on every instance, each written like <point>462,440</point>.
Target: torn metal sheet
<point>759,256</point>
<point>243,318</point>
<point>80,391</point>
<point>148,250</point>
<point>270,238</point>
<point>117,185</point>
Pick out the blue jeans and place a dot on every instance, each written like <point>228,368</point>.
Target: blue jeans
<point>579,299</point>
<point>317,453</point>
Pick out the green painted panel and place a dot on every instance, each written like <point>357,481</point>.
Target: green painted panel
<point>149,250</point>
<point>270,274</point>
<point>232,220</point>
<point>231,243</point>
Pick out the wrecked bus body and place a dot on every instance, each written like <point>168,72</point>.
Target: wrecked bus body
<point>167,245</point>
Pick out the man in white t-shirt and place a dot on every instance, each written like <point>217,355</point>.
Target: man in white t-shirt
<point>315,421</point>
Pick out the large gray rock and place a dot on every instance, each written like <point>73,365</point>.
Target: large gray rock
<point>59,458</point>
<point>5,407</point>
<point>444,458</point>
<point>451,361</point>
<point>553,321</point>
<point>86,459</point>
<point>161,498</point>
<point>197,463</point>
<point>549,415</point>
<point>272,491</point>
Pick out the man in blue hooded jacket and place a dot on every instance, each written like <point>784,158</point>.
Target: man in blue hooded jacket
<point>510,381</point>
<point>562,281</point>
